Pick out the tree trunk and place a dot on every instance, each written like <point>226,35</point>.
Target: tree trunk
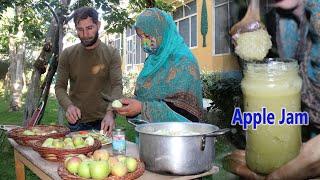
<point>16,54</point>
<point>34,90</point>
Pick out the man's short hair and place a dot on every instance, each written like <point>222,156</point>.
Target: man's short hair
<point>84,13</point>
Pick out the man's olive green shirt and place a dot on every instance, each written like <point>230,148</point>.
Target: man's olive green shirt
<point>95,78</point>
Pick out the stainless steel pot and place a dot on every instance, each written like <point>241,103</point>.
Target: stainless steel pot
<point>177,154</point>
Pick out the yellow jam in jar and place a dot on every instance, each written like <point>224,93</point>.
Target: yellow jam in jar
<point>274,84</point>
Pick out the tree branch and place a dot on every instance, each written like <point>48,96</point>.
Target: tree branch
<point>52,11</point>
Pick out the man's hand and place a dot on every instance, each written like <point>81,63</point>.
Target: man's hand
<point>73,114</point>
<point>132,107</point>
<point>107,124</point>
<point>304,166</point>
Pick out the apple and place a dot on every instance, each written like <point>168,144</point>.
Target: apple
<point>77,140</point>
<point>57,143</point>
<point>112,161</point>
<point>73,164</point>
<point>89,141</point>
<point>47,143</point>
<point>37,131</point>
<point>131,164</point>
<point>28,133</point>
<point>101,154</point>
<point>122,158</point>
<point>116,104</point>
<point>69,145</point>
<point>99,169</point>
<point>84,169</point>
<point>82,157</point>
<point>119,169</point>
<point>66,140</point>
<point>66,160</point>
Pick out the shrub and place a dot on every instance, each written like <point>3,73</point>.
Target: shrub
<point>129,81</point>
<point>224,89</point>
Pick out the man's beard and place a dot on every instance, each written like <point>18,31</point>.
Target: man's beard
<point>89,42</point>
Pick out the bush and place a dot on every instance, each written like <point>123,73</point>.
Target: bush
<point>129,83</point>
<point>224,89</point>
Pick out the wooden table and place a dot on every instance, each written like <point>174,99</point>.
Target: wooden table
<point>26,156</point>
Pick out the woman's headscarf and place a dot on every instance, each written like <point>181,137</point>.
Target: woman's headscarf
<point>161,26</point>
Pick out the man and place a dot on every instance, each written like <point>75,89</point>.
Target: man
<point>94,72</point>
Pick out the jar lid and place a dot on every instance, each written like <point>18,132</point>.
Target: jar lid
<point>119,128</point>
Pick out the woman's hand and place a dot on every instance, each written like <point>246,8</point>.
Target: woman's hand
<point>131,107</point>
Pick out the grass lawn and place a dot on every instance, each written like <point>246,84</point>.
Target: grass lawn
<point>7,170</point>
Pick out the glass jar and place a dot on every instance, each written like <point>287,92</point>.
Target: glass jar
<point>274,84</point>
<point>118,141</point>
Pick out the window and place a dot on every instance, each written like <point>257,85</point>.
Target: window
<point>135,54</point>
<point>222,23</point>
<point>186,21</point>
<point>117,42</point>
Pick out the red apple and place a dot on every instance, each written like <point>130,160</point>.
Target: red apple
<point>72,164</point>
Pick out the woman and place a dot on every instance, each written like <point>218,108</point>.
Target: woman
<point>168,88</point>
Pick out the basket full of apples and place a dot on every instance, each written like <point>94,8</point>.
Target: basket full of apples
<point>100,165</point>
<point>27,135</point>
<point>59,149</point>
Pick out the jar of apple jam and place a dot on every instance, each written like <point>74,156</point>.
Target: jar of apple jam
<point>274,84</point>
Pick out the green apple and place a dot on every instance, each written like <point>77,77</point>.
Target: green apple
<point>81,146</point>
<point>73,164</point>
<point>131,164</point>
<point>77,140</point>
<point>119,169</point>
<point>99,169</point>
<point>69,145</point>
<point>84,169</point>
<point>66,160</point>
<point>66,140</point>
<point>89,141</point>
<point>28,133</point>
<point>47,143</point>
<point>82,157</point>
<point>101,154</point>
<point>122,158</point>
<point>116,104</point>
<point>57,143</point>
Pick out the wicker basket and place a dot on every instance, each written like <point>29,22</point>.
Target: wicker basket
<point>25,140</point>
<point>60,154</point>
<point>64,174</point>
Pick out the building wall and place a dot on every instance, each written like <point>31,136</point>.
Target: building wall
<point>206,59</point>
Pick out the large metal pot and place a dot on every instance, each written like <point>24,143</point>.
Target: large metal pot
<point>183,154</point>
